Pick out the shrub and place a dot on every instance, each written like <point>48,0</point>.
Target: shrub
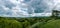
<point>5,23</point>
<point>26,24</point>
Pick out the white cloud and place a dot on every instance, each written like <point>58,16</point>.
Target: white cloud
<point>20,9</point>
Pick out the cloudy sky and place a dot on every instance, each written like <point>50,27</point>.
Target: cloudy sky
<point>27,8</point>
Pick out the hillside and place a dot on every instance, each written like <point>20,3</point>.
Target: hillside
<point>32,22</point>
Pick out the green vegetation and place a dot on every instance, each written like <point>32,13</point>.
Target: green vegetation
<point>5,23</point>
<point>53,24</point>
<point>32,22</point>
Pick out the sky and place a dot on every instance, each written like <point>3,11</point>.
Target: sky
<point>28,8</point>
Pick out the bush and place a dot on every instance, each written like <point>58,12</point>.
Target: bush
<point>26,24</point>
<point>52,24</point>
<point>5,23</point>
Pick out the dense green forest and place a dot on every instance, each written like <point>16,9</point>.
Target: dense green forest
<point>32,22</point>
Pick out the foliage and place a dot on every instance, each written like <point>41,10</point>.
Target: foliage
<point>5,23</point>
<point>32,22</point>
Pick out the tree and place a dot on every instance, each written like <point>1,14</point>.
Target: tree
<point>5,23</point>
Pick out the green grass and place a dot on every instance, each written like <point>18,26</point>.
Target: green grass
<point>52,24</point>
